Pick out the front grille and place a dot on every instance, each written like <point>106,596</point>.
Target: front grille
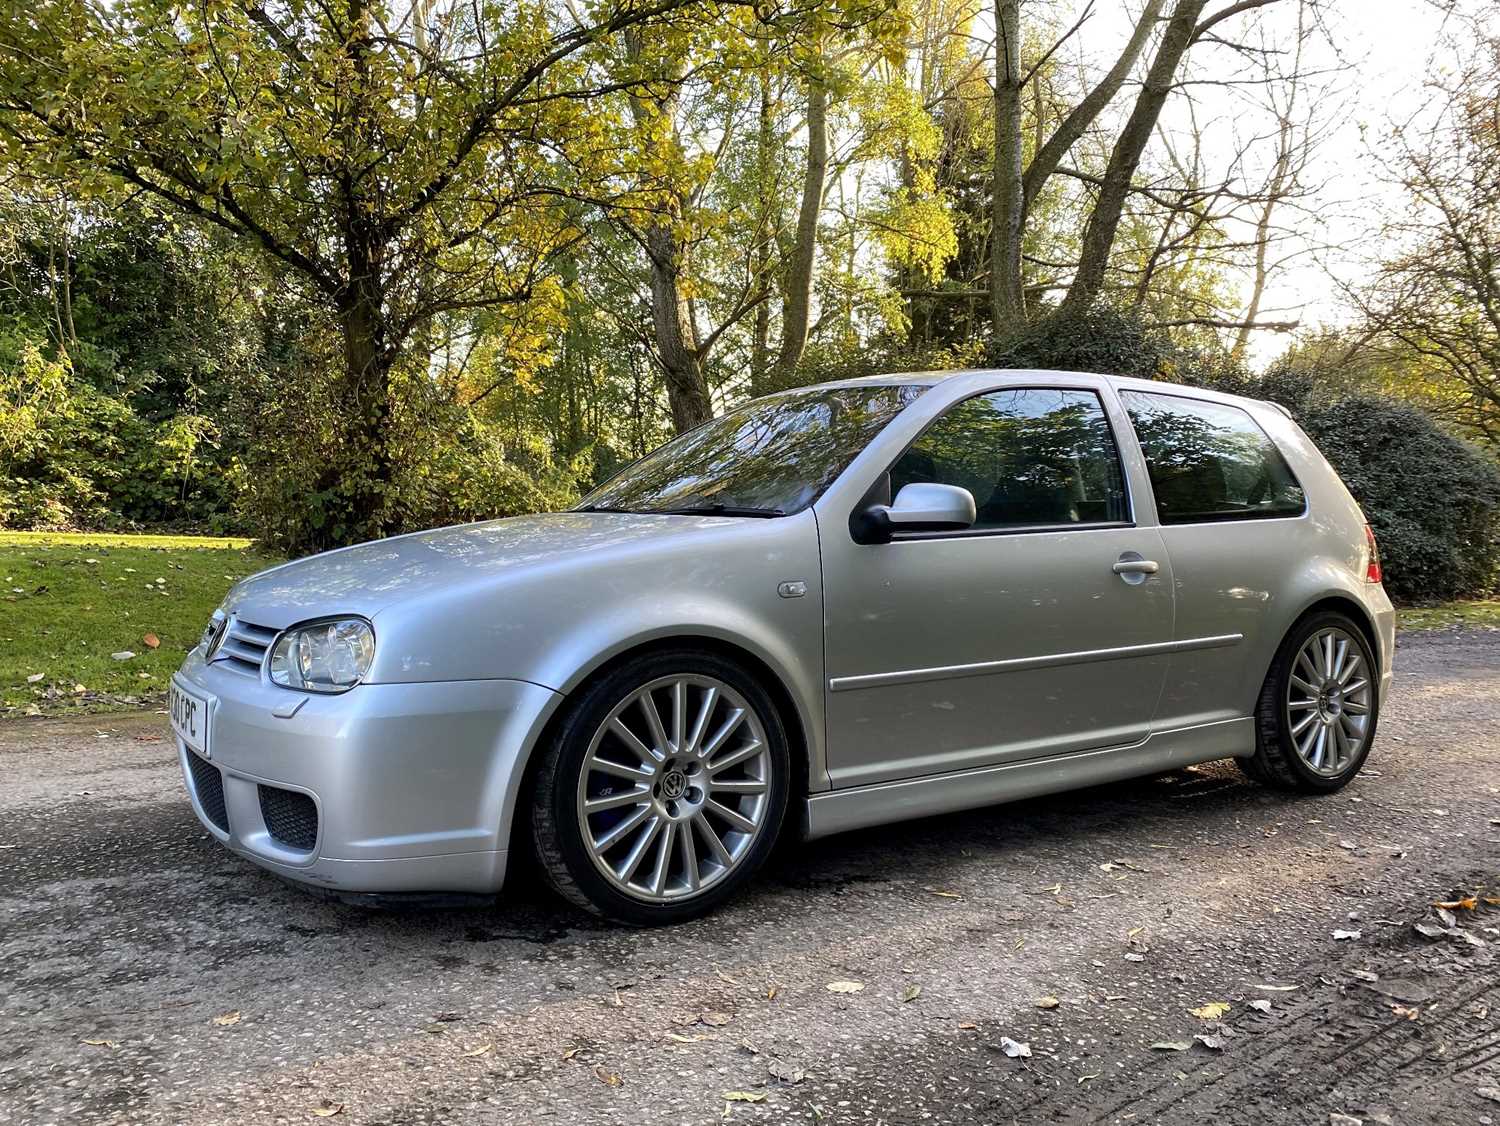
<point>208,784</point>
<point>244,646</point>
<point>291,818</point>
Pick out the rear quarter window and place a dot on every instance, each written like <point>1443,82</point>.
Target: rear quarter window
<point>1210,461</point>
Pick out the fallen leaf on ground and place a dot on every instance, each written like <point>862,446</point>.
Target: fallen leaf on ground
<point>122,655</point>
<point>1344,936</point>
<point>151,641</point>
<point>1467,903</point>
<point>1406,1011</point>
<point>328,1109</point>
<point>780,1069</point>
<point>1014,1048</point>
<point>608,1078</point>
<point>716,1019</point>
<point>1364,975</point>
<point>945,894</point>
<point>1336,1119</point>
<point>911,993</point>
<point>1211,1011</point>
<point>1172,1045</point>
<point>845,986</point>
<point>569,1053</point>
<point>679,1038</point>
<point>36,677</point>
<point>1429,930</point>
<point>1132,957</point>
<point>228,1018</point>
<point>1048,1002</point>
<point>1448,918</point>
<point>101,1043</point>
<point>1491,1093</point>
<point>1212,1041</point>
<point>1261,1005</point>
<point>744,1096</point>
<point>967,1026</point>
<point>479,1051</point>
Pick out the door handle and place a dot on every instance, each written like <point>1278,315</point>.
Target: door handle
<point>1136,567</point>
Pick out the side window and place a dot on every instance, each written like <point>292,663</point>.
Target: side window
<point>1031,456</point>
<point>1210,461</point>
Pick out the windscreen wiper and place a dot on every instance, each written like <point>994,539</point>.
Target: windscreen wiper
<point>722,510</point>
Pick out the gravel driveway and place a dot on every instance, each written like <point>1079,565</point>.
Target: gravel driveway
<point>148,976</point>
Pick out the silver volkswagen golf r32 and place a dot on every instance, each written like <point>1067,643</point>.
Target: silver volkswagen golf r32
<point>834,607</point>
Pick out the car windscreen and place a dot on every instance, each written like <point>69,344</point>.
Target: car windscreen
<point>769,457</point>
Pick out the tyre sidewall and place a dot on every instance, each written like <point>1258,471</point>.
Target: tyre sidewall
<point>559,804</point>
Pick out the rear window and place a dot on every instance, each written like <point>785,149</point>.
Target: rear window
<point>1210,461</point>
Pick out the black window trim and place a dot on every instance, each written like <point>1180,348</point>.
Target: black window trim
<point>1017,529</point>
<point>1227,517</point>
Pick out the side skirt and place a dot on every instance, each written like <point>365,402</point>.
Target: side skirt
<point>838,811</point>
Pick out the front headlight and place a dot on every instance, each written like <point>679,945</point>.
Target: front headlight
<point>324,656</point>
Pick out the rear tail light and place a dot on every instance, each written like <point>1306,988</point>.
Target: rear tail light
<point>1372,568</point>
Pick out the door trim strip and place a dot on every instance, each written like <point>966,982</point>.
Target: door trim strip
<point>1017,664</point>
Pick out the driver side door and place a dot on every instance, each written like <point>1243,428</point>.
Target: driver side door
<point>1018,638</point>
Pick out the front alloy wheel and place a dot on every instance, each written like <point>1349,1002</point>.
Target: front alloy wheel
<point>665,789</point>
<point>675,788</point>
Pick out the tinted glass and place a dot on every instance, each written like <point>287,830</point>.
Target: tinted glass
<point>1210,461</point>
<point>775,455</point>
<point>1030,456</point>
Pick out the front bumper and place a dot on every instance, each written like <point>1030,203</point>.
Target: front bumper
<point>387,788</point>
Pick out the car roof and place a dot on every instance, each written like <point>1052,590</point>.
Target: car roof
<point>979,375</point>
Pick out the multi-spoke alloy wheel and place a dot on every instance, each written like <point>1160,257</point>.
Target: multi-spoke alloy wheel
<point>674,788</point>
<point>664,789</point>
<point>1318,707</point>
<point>1328,701</point>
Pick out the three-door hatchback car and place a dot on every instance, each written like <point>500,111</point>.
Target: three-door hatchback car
<point>829,608</point>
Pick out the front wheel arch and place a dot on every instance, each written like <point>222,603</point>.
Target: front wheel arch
<point>792,724</point>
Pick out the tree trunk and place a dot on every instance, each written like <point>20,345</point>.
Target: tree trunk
<point>366,472</point>
<point>760,343</point>
<point>1104,221</point>
<point>1047,157</point>
<point>796,308</point>
<point>672,320</point>
<point>676,335</point>
<point>1007,300</point>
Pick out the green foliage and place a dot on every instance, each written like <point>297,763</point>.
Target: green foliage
<point>1433,499</point>
<point>1106,339</point>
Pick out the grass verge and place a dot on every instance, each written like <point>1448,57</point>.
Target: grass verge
<point>70,602</point>
<point>1483,613</point>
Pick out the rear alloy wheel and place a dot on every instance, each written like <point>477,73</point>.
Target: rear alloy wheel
<point>1318,707</point>
<point>665,790</point>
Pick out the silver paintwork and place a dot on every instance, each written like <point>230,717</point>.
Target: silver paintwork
<point>933,673</point>
<point>921,504</point>
<point>673,802</point>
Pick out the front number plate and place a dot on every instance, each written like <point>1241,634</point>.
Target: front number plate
<point>189,713</point>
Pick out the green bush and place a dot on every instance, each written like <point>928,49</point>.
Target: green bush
<point>1433,500</point>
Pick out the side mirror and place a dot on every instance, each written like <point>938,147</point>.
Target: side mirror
<point>919,507</point>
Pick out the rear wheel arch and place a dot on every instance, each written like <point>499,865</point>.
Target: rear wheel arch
<point>1351,608</point>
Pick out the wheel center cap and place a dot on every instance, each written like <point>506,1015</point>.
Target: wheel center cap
<point>674,784</point>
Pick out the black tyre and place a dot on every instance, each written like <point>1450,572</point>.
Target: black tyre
<point>664,789</point>
<point>1316,716</point>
